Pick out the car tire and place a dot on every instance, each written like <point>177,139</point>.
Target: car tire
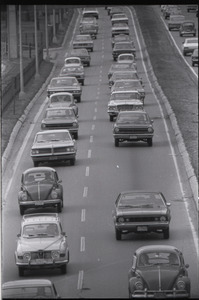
<point>166,233</point>
<point>116,143</point>
<point>184,53</point>
<point>114,58</point>
<point>76,135</point>
<point>150,142</point>
<point>72,162</point>
<point>59,208</point>
<point>83,82</point>
<point>79,99</point>
<point>118,235</point>
<point>21,210</point>
<point>88,65</point>
<point>21,271</point>
<point>111,118</point>
<point>91,49</point>
<point>63,269</point>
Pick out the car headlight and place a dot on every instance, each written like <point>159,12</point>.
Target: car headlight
<point>121,220</point>
<point>63,246</point>
<point>27,256</point>
<point>55,254</point>
<point>163,218</point>
<point>112,107</point>
<point>181,285</point>
<point>139,285</point>
<point>43,125</point>
<point>116,129</point>
<point>24,196</point>
<point>74,124</point>
<point>54,194</point>
<point>69,149</point>
<point>35,151</point>
<point>150,129</point>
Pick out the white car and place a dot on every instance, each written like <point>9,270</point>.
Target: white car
<point>189,45</point>
<point>73,60</point>
<point>127,58</point>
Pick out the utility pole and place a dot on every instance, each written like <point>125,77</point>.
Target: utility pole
<point>46,31</point>
<point>21,93</point>
<point>54,28</point>
<point>37,76</point>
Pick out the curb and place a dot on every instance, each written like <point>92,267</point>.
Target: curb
<point>21,120</point>
<point>180,142</point>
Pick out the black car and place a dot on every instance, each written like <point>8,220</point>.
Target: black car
<point>40,187</point>
<point>123,47</point>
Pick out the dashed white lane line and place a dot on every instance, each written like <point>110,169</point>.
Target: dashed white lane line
<point>87,171</point>
<point>91,138</point>
<point>89,153</point>
<point>83,215</point>
<point>95,102</point>
<point>80,280</point>
<point>82,244</point>
<point>95,109</point>
<point>93,127</point>
<point>94,118</point>
<point>85,193</point>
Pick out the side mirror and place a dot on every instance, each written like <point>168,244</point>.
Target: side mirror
<point>152,121</point>
<point>18,235</point>
<point>75,100</point>
<point>59,181</point>
<point>187,266</point>
<point>168,204</point>
<point>64,234</point>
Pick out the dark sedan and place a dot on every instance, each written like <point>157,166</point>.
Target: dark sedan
<point>123,47</point>
<point>133,126</point>
<point>141,212</point>
<point>158,271</point>
<point>40,187</point>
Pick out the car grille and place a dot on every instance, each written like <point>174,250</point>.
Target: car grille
<point>57,126</point>
<point>140,219</point>
<point>60,149</point>
<point>45,151</point>
<point>41,255</point>
<point>83,44</point>
<point>126,107</point>
<point>52,150</point>
<point>133,130</point>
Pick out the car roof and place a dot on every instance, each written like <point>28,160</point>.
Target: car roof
<point>124,112</point>
<point>62,78</point>
<point>52,131</point>
<point>87,35</point>
<point>156,248</point>
<point>26,282</point>
<point>72,57</point>
<point>128,80</point>
<point>126,92</point>
<point>61,93</point>
<point>59,108</point>
<point>39,169</point>
<point>40,217</point>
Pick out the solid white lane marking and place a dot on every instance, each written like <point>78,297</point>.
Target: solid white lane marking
<point>87,171</point>
<point>80,280</point>
<point>83,215</point>
<point>85,193</point>
<point>91,138</point>
<point>194,233</point>
<point>82,244</point>
<point>93,127</point>
<point>89,153</point>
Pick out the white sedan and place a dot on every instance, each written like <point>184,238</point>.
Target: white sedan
<point>189,45</point>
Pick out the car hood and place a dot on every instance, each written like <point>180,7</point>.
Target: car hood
<point>63,88</point>
<point>159,278</point>
<point>52,144</point>
<point>39,191</point>
<point>133,125</point>
<point>60,104</point>
<point>34,244</point>
<point>59,120</point>
<point>141,211</point>
<point>122,102</point>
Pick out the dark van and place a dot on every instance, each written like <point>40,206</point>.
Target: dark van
<point>187,28</point>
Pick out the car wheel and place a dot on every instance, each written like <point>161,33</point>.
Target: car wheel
<point>88,64</point>
<point>21,210</point>
<point>63,269</point>
<point>114,58</point>
<point>59,208</point>
<point>118,235</point>
<point>166,233</point>
<point>36,163</point>
<point>184,53</point>
<point>91,49</point>
<point>111,118</point>
<point>76,135</point>
<point>116,143</point>
<point>79,99</point>
<point>21,271</point>
<point>83,82</point>
<point>72,162</point>
<point>150,142</point>
<point>180,34</point>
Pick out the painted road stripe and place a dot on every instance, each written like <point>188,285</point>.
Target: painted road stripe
<point>91,138</point>
<point>94,118</point>
<point>80,280</point>
<point>83,215</point>
<point>95,109</point>
<point>85,193</point>
<point>82,244</point>
<point>87,171</point>
<point>89,153</point>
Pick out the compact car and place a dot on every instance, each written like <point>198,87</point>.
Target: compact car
<point>53,145</point>
<point>124,75</point>
<point>89,20</point>
<point>40,188</point>
<point>72,60</point>
<point>119,18</point>
<point>120,38</point>
<point>90,12</point>
<point>115,10</point>
<point>41,243</point>
<point>129,84</point>
<point>126,58</point>
<point>119,28</point>
<point>89,29</point>
<point>123,47</point>
<point>63,100</point>
<point>83,54</point>
<point>133,126</point>
<point>189,45</point>
<point>141,212</point>
<point>83,41</point>
<point>194,57</point>
<point>158,272</point>
<point>192,7</point>
<point>73,70</point>
<point>61,118</point>
<point>65,84</point>
<point>115,106</point>
<point>187,28</point>
<point>120,67</point>
<point>29,289</point>
<point>175,22</point>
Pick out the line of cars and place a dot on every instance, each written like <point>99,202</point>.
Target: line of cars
<point>157,271</point>
<point>186,27</point>
<point>41,242</point>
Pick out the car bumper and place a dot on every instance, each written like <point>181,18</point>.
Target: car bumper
<point>53,157</point>
<point>44,263</point>
<point>174,26</point>
<point>132,136</point>
<point>171,294</point>
<point>187,32</point>
<point>140,227</point>
<point>37,203</point>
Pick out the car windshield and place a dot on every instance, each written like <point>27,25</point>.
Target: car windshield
<point>121,66</point>
<point>192,41</point>
<point>27,292</point>
<point>40,230</point>
<point>127,84</point>
<point>176,18</point>
<point>115,16</point>
<point>162,259</point>
<point>59,113</point>
<point>62,82</point>
<point>60,98</point>
<point>82,38</point>
<point>132,118</point>
<point>72,61</point>
<point>127,57</point>
<point>52,137</point>
<point>73,68</point>
<point>120,25</point>
<point>38,177</point>
<point>123,46</point>
<point>141,200</point>
<point>125,96</point>
<point>130,75</point>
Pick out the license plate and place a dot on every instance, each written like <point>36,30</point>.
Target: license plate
<point>53,157</point>
<point>160,295</point>
<point>142,228</point>
<point>133,137</point>
<point>39,203</point>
